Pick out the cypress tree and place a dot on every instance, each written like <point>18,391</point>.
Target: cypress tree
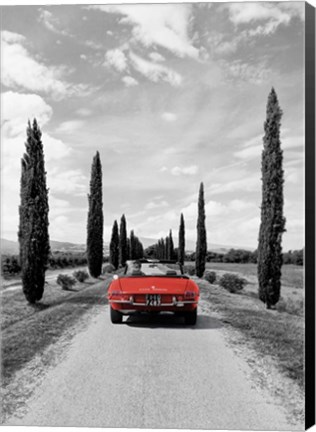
<point>123,242</point>
<point>95,219</point>
<point>167,249</point>
<point>181,248</point>
<point>272,221</point>
<point>132,245</point>
<point>114,246</point>
<point>33,211</point>
<point>201,245</point>
<point>171,247</point>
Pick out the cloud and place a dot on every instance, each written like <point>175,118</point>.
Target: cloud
<point>84,112</point>
<point>166,25</point>
<point>156,57</point>
<point>21,71</point>
<point>18,108</point>
<point>70,126</point>
<point>155,72</point>
<point>156,205</point>
<point>238,70</point>
<point>51,22</point>
<point>10,37</point>
<point>169,117</point>
<point>191,170</point>
<point>117,59</point>
<point>68,182</point>
<point>249,183</point>
<point>129,81</point>
<point>270,15</point>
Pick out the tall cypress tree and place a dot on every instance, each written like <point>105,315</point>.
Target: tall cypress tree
<point>33,211</point>
<point>123,242</point>
<point>167,248</point>
<point>171,247</point>
<point>132,245</point>
<point>181,248</point>
<point>114,246</point>
<point>201,245</point>
<point>95,219</point>
<point>272,221</point>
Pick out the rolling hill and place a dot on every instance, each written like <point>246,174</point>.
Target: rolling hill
<point>12,247</point>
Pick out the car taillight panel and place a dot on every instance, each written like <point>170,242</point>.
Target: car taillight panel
<point>189,294</point>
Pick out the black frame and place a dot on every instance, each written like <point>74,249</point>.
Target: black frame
<point>309,216</point>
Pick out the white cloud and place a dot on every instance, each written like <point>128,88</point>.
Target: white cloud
<point>156,205</point>
<point>191,170</point>
<point>129,81</point>
<point>84,112</point>
<point>249,183</point>
<point>117,59</point>
<point>67,182</point>
<point>51,22</point>
<point>55,149</point>
<point>166,25</point>
<point>156,57</point>
<point>11,37</point>
<point>18,108</point>
<point>70,126</point>
<point>21,71</point>
<point>243,71</point>
<point>270,15</point>
<point>169,117</point>
<point>155,72</point>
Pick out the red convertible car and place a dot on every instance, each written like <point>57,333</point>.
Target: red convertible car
<point>153,286</point>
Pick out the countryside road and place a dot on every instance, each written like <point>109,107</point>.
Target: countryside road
<point>152,373</point>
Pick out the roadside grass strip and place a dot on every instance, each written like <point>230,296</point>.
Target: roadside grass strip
<point>28,329</point>
<point>276,333</point>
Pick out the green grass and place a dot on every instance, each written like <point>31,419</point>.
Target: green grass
<point>27,330</point>
<point>278,333</point>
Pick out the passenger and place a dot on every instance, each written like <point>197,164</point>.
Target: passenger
<point>136,268</point>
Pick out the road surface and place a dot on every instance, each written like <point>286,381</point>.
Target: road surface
<point>152,373</point>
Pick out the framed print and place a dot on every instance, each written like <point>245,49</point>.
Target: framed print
<point>158,215</point>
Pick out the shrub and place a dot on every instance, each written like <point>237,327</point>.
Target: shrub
<point>81,275</point>
<point>231,282</point>
<point>189,269</point>
<point>293,307</point>
<point>109,268</point>
<point>65,281</point>
<point>210,277</point>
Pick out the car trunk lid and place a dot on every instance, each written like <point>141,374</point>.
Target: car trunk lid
<point>153,285</point>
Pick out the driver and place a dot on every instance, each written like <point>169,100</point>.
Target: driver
<point>136,268</point>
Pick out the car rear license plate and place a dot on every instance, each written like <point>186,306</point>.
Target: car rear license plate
<point>153,300</point>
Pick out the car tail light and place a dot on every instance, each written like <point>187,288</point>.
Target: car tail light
<point>115,294</point>
<point>189,294</point>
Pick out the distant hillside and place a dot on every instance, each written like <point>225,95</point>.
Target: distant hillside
<point>12,247</point>
<point>190,245</point>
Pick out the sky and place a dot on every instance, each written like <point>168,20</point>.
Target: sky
<point>171,95</point>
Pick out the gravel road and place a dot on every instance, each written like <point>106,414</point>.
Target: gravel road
<point>152,373</point>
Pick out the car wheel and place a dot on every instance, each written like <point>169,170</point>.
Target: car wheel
<point>116,316</point>
<point>190,317</point>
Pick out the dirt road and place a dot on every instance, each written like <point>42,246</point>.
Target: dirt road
<point>152,373</point>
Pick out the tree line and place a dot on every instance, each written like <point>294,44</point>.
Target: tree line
<point>123,248</point>
<point>33,226</point>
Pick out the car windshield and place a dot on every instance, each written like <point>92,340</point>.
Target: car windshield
<point>153,269</point>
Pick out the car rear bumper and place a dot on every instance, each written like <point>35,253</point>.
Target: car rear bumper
<point>129,306</point>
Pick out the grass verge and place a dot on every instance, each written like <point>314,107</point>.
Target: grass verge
<point>278,334</point>
<point>28,330</point>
